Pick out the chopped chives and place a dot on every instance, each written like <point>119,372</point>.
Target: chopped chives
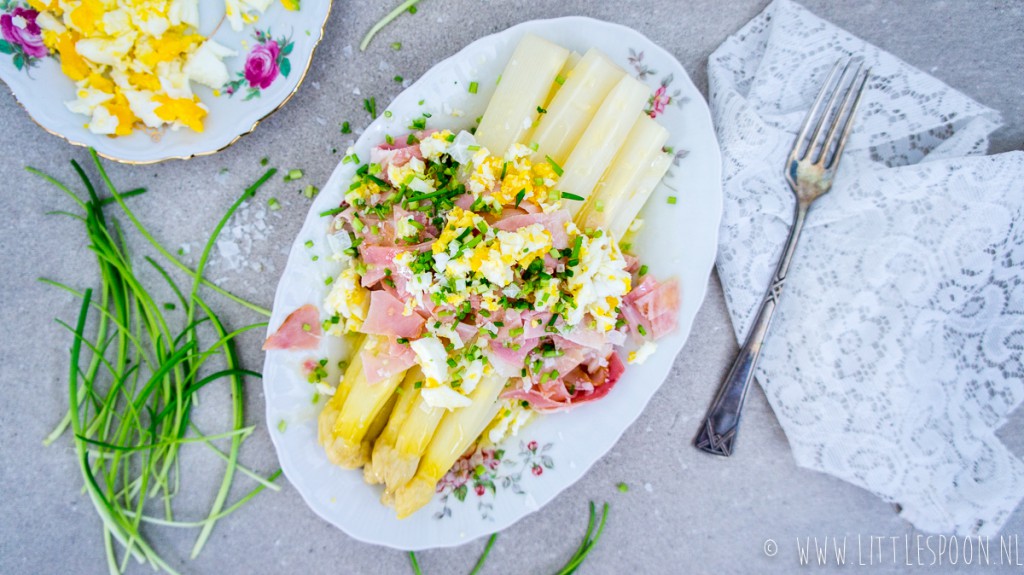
<point>396,46</point>
<point>643,270</point>
<point>559,79</point>
<point>554,166</point>
<point>399,79</point>
<point>310,190</point>
<point>541,110</point>
<point>640,328</point>
<point>387,113</point>
<point>346,128</point>
<point>293,174</point>
<point>622,487</point>
<point>672,200</point>
<point>264,161</point>
<point>473,87</point>
<point>370,105</point>
<point>328,280</point>
<point>569,196</point>
<point>273,204</point>
<point>332,211</point>
<point>282,425</point>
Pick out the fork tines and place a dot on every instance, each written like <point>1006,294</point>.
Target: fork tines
<point>847,84</point>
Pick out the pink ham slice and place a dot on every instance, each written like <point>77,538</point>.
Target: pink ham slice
<point>385,317</point>
<point>653,305</point>
<point>537,401</point>
<point>379,258</point>
<point>466,332</point>
<point>300,330</point>
<point>511,360</point>
<point>378,367</point>
<point>554,396</point>
<point>394,155</point>
<point>554,223</point>
<point>603,380</point>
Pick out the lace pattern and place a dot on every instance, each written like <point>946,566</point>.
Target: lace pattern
<point>896,352</point>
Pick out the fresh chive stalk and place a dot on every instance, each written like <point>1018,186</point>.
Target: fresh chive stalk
<point>385,21</point>
<point>134,377</point>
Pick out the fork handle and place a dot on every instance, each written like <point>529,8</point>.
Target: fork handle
<point>718,432</point>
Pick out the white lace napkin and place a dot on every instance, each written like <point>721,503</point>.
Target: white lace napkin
<point>897,350</point>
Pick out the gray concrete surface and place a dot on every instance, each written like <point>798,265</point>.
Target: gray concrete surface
<point>700,514</point>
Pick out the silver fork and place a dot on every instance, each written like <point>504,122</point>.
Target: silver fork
<point>810,168</point>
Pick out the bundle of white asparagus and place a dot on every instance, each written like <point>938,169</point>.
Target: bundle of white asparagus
<point>587,115</point>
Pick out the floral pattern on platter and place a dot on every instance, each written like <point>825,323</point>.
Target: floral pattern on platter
<point>484,469</point>
<point>267,60</point>
<point>659,100</point>
<point>20,35</point>
<point>662,97</point>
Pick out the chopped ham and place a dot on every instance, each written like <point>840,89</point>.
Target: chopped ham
<point>653,305</point>
<point>554,223</point>
<point>603,382</point>
<point>464,201</point>
<point>577,386</point>
<point>466,332</point>
<point>535,323</point>
<point>385,317</point>
<point>300,330</point>
<point>394,155</point>
<point>380,366</point>
<point>380,258</point>
<point>510,361</point>
<point>537,401</point>
<point>632,263</point>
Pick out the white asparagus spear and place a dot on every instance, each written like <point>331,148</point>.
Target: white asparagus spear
<point>456,432</point>
<point>574,106</point>
<point>524,86</point>
<point>602,139</point>
<point>619,184</point>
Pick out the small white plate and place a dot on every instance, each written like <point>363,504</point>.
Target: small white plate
<point>554,451</point>
<point>41,88</point>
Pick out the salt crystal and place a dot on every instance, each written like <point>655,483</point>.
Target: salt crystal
<point>347,51</point>
<point>384,66</point>
<point>649,487</point>
<point>321,121</point>
<point>316,84</point>
<point>356,91</point>
<point>223,177</point>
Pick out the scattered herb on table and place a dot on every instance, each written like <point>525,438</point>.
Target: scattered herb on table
<point>408,5</point>
<point>570,567</point>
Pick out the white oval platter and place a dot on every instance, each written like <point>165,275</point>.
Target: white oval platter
<point>553,452</point>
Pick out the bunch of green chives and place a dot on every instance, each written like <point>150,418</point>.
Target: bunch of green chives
<point>134,377</point>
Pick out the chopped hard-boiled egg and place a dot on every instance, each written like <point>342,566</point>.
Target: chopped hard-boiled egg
<point>444,396</point>
<point>349,300</point>
<point>432,358</point>
<point>643,352</point>
<point>143,55</point>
